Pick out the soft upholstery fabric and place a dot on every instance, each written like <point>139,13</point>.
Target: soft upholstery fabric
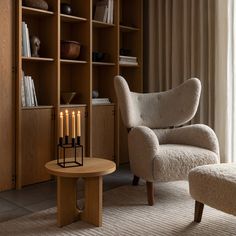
<point>195,135</point>
<point>215,185</point>
<point>156,151</point>
<point>158,110</point>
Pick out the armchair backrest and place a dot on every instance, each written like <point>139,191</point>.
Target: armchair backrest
<point>158,110</point>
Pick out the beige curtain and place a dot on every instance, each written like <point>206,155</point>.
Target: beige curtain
<point>179,44</point>
<point>188,38</point>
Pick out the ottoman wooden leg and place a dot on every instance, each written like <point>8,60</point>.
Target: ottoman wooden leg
<point>67,211</point>
<point>198,211</point>
<point>93,201</point>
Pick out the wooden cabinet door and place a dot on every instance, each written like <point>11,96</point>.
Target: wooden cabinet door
<point>103,131</point>
<point>37,144</point>
<point>7,127</point>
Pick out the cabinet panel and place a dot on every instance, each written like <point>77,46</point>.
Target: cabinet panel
<point>7,146</point>
<point>37,144</point>
<point>103,131</point>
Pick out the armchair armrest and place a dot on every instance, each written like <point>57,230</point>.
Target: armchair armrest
<point>143,147</point>
<point>195,135</point>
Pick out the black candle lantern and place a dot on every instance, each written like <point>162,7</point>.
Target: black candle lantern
<point>66,150</point>
<point>69,154</point>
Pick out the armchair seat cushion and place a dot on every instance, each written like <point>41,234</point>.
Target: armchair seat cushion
<point>173,161</point>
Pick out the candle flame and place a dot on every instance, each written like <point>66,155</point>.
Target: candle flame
<point>78,112</point>
<point>73,113</point>
<point>66,111</point>
<point>61,113</point>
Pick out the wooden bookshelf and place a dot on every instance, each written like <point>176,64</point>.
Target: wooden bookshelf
<point>103,134</point>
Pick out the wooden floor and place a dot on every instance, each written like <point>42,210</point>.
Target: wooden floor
<point>16,203</point>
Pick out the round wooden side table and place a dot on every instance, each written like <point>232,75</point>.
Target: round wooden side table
<point>92,171</point>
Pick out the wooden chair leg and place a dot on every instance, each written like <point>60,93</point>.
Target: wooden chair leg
<point>150,193</point>
<point>135,180</point>
<point>198,211</point>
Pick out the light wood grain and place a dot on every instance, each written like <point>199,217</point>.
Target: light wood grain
<point>67,211</point>
<point>103,131</point>
<point>92,167</point>
<point>92,172</point>
<point>93,201</point>
<point>37,144</point>
<point>7,127</point>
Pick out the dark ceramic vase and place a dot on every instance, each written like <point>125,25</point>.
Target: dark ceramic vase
<point>66,9</point>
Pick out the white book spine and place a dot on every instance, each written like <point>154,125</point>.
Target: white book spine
<point>31,91</point>
<point>34,93</point>
<point>26,91</point>
<point>105,15</point>
<point>28,42</point>
<point>24,44</point>
<point>23,103</point>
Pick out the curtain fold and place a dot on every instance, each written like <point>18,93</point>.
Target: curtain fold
<point>180,42</point>
<point>180,39</point>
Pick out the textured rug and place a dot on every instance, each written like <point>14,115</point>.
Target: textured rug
<point>126,213</point>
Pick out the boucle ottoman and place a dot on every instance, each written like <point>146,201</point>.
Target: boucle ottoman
<point>215,186</point>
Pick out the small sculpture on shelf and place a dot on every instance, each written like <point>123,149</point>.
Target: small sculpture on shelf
<point>66,8</point>
<point>39,4</point>
<point>35,46</point>
<point>95,94</point>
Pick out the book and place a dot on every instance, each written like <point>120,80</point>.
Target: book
<point>28,42</point>
<point>128,63</point>
<point>101,101</point>
<point>31,91</point>
<point>24,45</point>
<point>34,94</point>
<point>23,102</point>
<point>101,11</point>
<point>112,10</point>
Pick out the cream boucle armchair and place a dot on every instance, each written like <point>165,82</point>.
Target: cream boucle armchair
<point>157,151</point>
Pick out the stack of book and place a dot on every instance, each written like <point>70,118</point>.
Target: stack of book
<point>104,11</point>
<point>127,60</point>
<point>26,51</point>
<point>28,93</point>
<point>101,101</point>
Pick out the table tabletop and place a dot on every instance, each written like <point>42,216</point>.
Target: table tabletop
<point>92,167</point>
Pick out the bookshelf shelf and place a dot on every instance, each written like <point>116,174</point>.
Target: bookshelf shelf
<point>53,75</point>
<point>35,12</point>
<point>37,107</point>
<point>104,64</point>
<point>37,59</point>
<point>73,61</point>
<point>124,28</point>
<point>71,19</point>
<point>100,24</point>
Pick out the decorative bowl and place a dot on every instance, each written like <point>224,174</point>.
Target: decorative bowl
<point>66,9</point>
<point>70,49</point>
<point>39,4</point>
<point>67,96</point>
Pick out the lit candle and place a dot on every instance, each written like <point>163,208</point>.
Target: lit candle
<point>73,125</point>
<point>67,123</point>
<point>61,124</point>
<point>78,125</point>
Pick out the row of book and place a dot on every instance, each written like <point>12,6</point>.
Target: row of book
<point>104,11</point>
<point>28,93</point>
<point>26,51</point>
<point>128,60</point>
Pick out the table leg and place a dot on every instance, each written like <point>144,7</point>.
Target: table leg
<point>67,211</point>
<point>93,201</point>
